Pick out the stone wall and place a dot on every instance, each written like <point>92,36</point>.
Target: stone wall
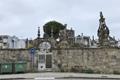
<point>98,60</point>
<point>15,55</point>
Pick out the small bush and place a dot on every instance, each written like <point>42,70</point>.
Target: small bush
<point>98,72</point>
<point>116,72</point>
<point>87,71</point>
<point>76,69</point>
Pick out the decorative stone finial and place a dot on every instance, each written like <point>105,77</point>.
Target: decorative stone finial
<point>101,15</point>
<point>38,32</point>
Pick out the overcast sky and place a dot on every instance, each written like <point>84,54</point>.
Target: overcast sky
<point>22,17</point>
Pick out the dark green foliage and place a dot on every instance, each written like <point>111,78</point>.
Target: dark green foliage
<point>116,72</point>
<point>56,26</point>
<point>97,72</point>
<point>75,69</point>
<point>87,71</point>
<point>81,70</point>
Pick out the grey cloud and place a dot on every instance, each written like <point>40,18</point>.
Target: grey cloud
<point>22,17</point>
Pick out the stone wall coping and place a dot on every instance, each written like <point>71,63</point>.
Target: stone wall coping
<point>84,48</point>
<point>23,49</point>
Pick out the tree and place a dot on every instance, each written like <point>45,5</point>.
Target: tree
<point>53,25</point>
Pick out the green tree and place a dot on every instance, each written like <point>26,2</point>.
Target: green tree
<point>55,26</point>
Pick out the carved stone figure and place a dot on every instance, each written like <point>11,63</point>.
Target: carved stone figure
<point>103,32</point>
<point>63,34</point>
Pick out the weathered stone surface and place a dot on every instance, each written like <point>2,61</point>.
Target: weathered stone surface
<point>15,55</point>
<point>100,60</point>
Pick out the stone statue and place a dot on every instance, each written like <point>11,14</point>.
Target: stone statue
<point>103,31</point>
<point>63,34</point>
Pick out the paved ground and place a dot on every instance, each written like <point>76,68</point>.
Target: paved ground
<point>58,76</point>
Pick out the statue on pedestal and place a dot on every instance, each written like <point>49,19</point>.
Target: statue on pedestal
<point>103,32</point>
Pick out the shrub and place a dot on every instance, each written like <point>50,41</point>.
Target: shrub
<point>87,71</point>
<point>116,72</point>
